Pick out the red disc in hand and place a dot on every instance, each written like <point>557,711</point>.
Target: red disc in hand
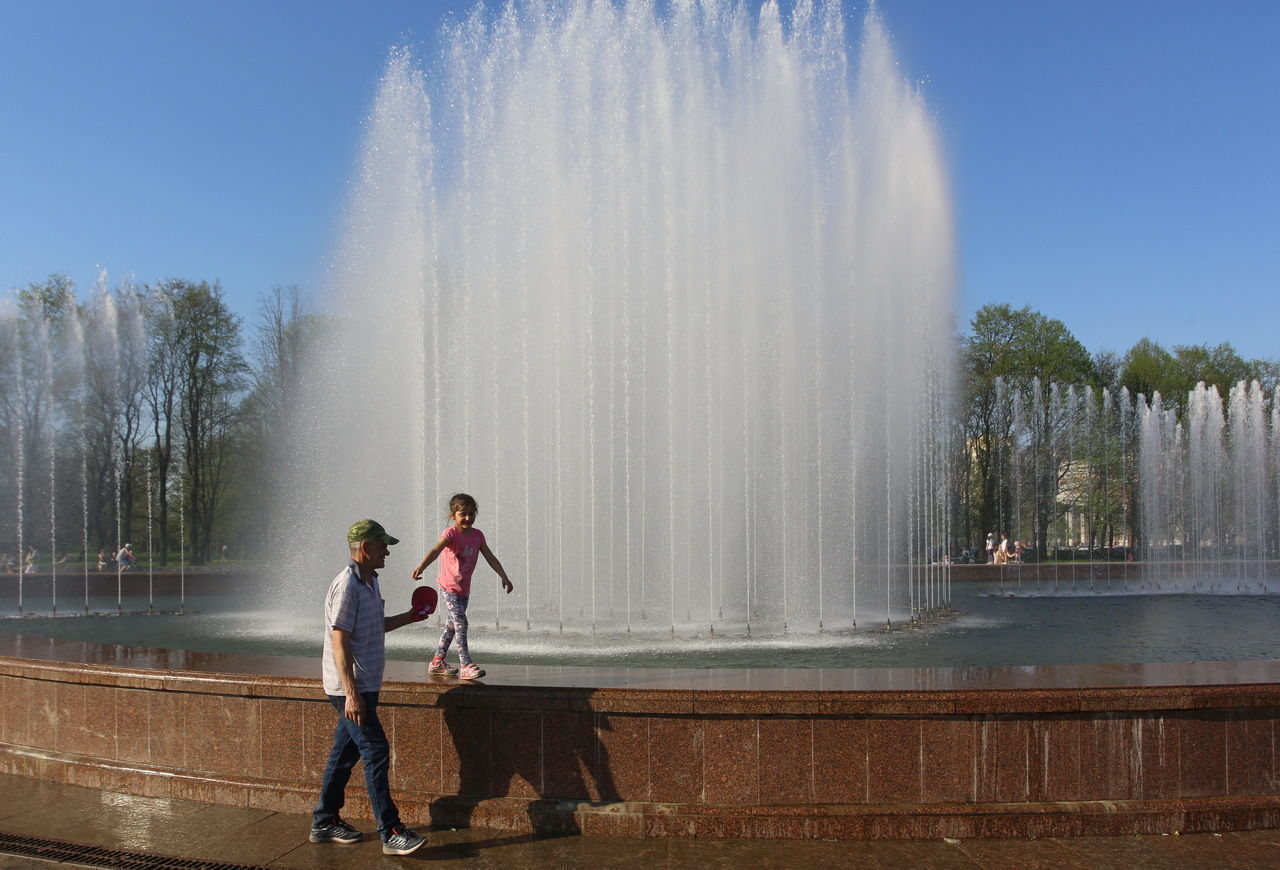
<point>424,600</point>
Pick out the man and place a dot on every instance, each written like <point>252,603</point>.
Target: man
<point>125,558</point>
<point>354,656</point>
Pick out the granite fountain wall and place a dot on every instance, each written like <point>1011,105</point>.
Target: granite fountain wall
<point>845,754</point>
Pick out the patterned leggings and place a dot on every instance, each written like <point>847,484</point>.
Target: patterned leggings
<point>457,625</point>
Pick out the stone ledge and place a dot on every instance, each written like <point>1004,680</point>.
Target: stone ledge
<point>963,752</point>
<point>677,820</point>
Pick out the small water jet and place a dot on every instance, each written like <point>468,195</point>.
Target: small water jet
<point>1210,489</point>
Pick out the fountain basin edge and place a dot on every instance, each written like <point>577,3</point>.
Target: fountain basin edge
<point>836,754</point>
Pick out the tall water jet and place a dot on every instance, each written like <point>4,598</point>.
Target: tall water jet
<point>20,452</point>
<point>50,436</point>
<point>671,295</point>
<point>1207,489</point>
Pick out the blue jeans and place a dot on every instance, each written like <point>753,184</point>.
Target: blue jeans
<point>351,743</point>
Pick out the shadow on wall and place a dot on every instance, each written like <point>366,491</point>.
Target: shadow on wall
<point>553,758</point>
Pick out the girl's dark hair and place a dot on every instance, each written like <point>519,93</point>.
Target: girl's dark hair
<point>460,501</point>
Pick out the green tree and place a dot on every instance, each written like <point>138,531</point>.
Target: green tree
<point>163,374</point>
<point>211,375</point>
<point>281,334</point>
<point>1016,353</point>
<point>1149,368</point>
<point>1107,367</point>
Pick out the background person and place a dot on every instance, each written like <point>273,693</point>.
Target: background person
<point>125,558</point>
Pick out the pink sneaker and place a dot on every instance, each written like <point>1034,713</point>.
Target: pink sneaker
<point>440,666</point>
<point>471,672</point>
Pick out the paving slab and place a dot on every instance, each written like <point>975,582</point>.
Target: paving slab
<point>235,835</point>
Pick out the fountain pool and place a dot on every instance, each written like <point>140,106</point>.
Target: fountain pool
<point>993,626</point>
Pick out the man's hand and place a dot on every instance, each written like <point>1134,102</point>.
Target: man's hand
<point>354,709</point>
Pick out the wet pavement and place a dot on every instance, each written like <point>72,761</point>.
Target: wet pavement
<point>257,838</point>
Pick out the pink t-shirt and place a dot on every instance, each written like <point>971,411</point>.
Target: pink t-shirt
<point>458,560</point>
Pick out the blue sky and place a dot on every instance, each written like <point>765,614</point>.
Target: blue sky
<point>1114,163</point>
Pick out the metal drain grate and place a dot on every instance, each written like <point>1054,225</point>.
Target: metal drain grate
<point>93,856</point>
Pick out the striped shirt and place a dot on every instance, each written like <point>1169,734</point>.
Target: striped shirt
<point>357,608</point>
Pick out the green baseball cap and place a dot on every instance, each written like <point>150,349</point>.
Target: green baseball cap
<point>369,530</point>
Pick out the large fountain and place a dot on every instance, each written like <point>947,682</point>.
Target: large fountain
<point>671,296</point>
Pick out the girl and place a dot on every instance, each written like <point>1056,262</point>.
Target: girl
<point>459,547</point>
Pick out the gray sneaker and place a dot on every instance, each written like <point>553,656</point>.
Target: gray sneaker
<point>334,831</point>
<point>402,841</point>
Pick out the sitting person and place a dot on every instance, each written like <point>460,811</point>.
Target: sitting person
<point>105,561</point>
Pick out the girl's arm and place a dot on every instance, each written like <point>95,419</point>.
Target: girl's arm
<point>429,558</point>
<point>496,566</point>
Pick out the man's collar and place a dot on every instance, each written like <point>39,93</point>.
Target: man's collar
<point>354,567</point>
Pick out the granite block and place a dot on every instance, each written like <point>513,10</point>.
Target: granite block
<point>277,799</point>
<point>126,780</point>
<point>284,739</point>
<point>675,759</point>
<point>1158,750</point>
<point>96,777</point>
<point>466,752</point>
<point>786,761</point>
<point>22,765</point>
<point>210,791</point>
<point>593,824</point>
<point>223,734</point>
<point>677,706</point>
<point>10,707</point>
<point>98,735</point>
<point>571,756</point>
<point>1249,756</point>
<point>1058,776</point>
<point>415,735</point>
<point>840,761</point>
<point>893,760</point>
<point>1202,753</point>
<point>319,724</point>
<point>624,756</point>
<point>1274,784</point>
<point>1013,753</point>
<point>133,725</point>
<point>154,786</point>
<point>731,768</point>
<point>985,758</point>
<point>516,754</point>
<point>167,728</point>
<point>68,718</point>
<point>946,759</point>
<point>28,711</point>
<point>1108,757</point>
